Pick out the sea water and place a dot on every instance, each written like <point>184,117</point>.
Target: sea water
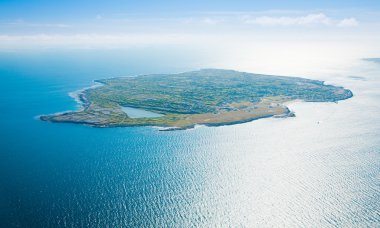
<point>318,169</point>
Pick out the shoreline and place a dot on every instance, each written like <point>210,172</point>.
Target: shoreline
<point>286,114</point>
<point>78,95</point>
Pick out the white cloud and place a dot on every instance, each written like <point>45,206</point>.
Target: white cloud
<point>22,23</point>
<point>200,20</point>
<point>310,19</point>
<point>211,21</point>
<point>205,29</point>
<point>348,22</point>
<point>92,40</point>
<point>46,25</point>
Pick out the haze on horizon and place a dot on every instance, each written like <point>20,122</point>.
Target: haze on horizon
<point>247,35</point>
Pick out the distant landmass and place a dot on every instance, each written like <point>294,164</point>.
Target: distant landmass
<point>376,60</point>
<point>208,97</point>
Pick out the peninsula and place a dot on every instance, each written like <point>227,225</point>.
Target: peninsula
<point>209,97</point>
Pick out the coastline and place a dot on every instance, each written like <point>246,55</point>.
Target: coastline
<point>286,114</point>
<point>78,95</point>
<point>79,98</point>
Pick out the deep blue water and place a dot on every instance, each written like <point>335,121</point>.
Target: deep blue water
<point>52,173</point>
<point>320,168</point>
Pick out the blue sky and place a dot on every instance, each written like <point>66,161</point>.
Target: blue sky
<point>245,30</point>
<point>117,16</point>
<point>70,10</point>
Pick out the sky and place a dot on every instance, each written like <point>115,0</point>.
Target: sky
<point>45,9</point>
<point>247,30</point>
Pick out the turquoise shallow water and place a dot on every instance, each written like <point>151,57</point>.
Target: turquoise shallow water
<point>321,168</point>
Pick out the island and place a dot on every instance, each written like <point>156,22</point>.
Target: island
<point>210,97</point>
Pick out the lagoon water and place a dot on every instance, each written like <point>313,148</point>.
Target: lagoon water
<point>139,113</point>
<point>319,169</point>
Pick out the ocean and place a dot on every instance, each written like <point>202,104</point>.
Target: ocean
<point>318,169</point>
